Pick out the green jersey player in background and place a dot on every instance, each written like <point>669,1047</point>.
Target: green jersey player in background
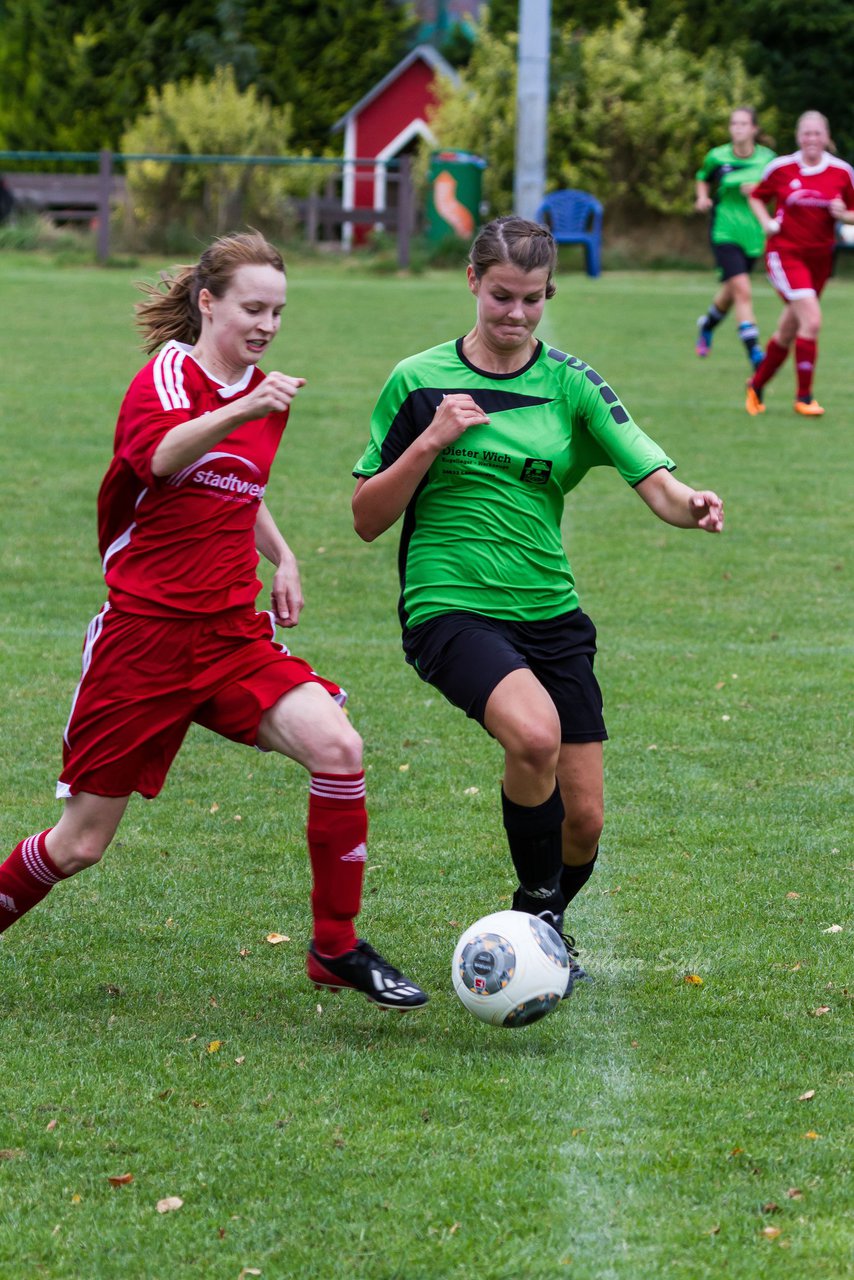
<point>475,443</point>
<point>724,181</point>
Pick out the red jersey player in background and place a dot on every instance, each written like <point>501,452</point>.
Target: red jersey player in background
<point>181,520</point>
<point>810,191</point>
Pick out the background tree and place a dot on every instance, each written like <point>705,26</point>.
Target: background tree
<point>800,54</point>
<point>630,118</point>
<point>169,204</point>
<point>74,75</point>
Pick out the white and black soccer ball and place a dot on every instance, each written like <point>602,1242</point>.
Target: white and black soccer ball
<point>510,969</point>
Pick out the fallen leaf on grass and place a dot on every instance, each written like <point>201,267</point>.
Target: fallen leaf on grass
<point>715,1230</point>
<point>50,1126</point>
<point>834,928</point>
<point>820,1011</point>
<point>239,1061</point>
<point>771,1233</point>
<point>737,1151</point>
<point>243,952</point>
<point>693,979</point>
<point>795,1193</point>
<point>403,768</point>
<point>11,1153</point>
<point>793,895</point>
<point>214,808</point>
<point>771,1207</point>
<point>252,1271</point>
<point>811,1133</point>
<point>214,1046</point>
<point>120,1179</point>
<point>169,1204</point>
<point>275,938</point>
<point>76,1198</point>
<point>805,1097</point>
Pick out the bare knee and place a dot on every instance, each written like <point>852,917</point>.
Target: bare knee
<point>583,828</point>
<point>76,851</point>
<point>535,749</point>
<point>338,752</point>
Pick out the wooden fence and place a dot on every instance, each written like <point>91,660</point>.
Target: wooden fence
<point>91,197</point>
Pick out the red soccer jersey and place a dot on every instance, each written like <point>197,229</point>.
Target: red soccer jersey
<point>185,543</point>
<point>801,195</point>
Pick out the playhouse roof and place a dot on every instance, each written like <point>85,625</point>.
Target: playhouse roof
<point>425,53</point>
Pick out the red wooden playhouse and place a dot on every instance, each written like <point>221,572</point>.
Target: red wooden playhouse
<point>389,121</point>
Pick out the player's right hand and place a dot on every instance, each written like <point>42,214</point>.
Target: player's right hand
<point>455,414</point>
<point>273,395</point>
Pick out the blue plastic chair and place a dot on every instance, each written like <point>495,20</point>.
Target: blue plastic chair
<point>575,217</point>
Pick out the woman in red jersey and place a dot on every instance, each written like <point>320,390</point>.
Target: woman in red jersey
<point>181,521</point>
<point>810,192</point>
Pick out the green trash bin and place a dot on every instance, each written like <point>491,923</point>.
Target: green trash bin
<point>453,201</point>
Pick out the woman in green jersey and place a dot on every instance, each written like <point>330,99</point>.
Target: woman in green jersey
<point>724,181</point>
<point>475,443</point>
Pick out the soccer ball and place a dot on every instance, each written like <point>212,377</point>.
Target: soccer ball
<point>510,969</point>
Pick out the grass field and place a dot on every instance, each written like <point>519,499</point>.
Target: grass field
<point>653,1127</point>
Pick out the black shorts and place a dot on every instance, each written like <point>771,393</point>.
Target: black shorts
<point>732,261</point>
<point>465,655</point>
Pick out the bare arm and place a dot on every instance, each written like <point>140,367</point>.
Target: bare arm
<point>187,442</point>
<point>286,593</point>
<point>380,499</point>
<point>677,504</point>
<point>768,224</point>
<point>702,199</point>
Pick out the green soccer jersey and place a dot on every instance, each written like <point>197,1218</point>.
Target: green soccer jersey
<point>732,219</point>
<point>482,533</point>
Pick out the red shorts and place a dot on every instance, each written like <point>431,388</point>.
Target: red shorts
<point>798,274</point>
<point>146,680</point>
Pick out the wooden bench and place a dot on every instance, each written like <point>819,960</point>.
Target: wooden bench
<point>63,197</point>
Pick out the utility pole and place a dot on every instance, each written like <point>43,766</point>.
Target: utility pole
<point>532,97</point>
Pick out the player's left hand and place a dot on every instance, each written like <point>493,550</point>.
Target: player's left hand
<point>286,596</point>
<point>706,510</point>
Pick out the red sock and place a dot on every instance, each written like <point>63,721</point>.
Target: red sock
<point>27,876</point>
<point>337,831</point>
<point>774,357</point>
<point>806,354</point>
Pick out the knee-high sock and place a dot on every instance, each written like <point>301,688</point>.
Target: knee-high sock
<point>337,834</point>
<point>27,876</point>
<point>573,879</point>
<point>534,836</point>
<point>774,357</point>
<point>806,354</point>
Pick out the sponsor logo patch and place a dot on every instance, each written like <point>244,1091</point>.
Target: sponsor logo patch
<point>536,470</point>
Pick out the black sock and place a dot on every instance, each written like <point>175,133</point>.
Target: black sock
<point>749,334</point>
<point>573,879</point>
<point>534,837</point>
<point>714,316</point>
